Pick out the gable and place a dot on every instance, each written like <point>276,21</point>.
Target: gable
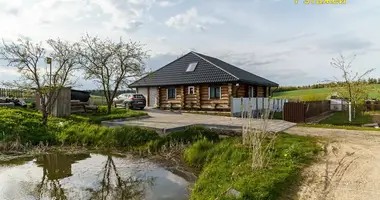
<point>175,73</point>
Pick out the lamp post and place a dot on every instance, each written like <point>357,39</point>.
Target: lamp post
<point>48,61</point>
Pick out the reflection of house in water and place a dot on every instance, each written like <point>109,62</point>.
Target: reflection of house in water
<point>58,166</point>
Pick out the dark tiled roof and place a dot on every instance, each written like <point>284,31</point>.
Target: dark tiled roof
<point>208,70</point>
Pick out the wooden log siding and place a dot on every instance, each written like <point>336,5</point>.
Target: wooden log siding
<point>219,103</point>
<point>260,91</point>
<point>191,100</point>
<point>239,91</point>
<point>165,102</point>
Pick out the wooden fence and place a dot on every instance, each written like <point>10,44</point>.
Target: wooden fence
<point>301,111</point>
<point>12,93</point>
<point>372,105</point>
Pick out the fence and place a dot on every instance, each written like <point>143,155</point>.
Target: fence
<point>301,111</point>
<point>28,96</point>
<point>372,105</point>
<point>241,106</point>
<point>12,93</point>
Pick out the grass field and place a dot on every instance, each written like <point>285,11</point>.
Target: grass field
<point>320,93</point>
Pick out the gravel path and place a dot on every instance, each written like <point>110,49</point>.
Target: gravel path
<point>350,168</point>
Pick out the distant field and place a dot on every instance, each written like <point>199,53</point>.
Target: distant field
<point>319,94</point>
<point>98,100</point>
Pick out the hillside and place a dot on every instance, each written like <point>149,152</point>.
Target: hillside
<point>319,94</point>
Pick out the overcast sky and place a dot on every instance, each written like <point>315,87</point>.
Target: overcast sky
<point>286,43</point>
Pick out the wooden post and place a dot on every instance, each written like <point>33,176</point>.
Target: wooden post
<point>199,98</point>
<point>147,96</point>
<point>230,98</point>
<point>265,91</point>
<point>159,98</point>
<point>183,98</point>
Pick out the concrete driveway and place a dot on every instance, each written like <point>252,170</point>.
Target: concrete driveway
<point>166,121</point>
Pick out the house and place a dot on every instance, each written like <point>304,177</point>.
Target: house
<point>197,81</point>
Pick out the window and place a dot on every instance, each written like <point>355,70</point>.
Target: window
<point>191,67</point>
<point>214,92</point>
<point>251,92</point>
<point>171,93</point>
<point>191,90</point>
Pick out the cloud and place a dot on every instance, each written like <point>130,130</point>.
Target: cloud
<point>297,37</point>
<point>168,3</point>
<point>192,20</point>
<point>345,42</point>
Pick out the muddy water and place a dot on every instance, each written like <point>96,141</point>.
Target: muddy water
<point>89,176</point>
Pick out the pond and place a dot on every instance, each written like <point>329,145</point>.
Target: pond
<point>89,176</point>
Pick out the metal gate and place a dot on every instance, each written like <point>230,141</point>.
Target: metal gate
<point>294,112</point>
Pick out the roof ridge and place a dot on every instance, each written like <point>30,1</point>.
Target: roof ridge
<point>200,56</point>
<point>159,69</point>
<point>238,68</point>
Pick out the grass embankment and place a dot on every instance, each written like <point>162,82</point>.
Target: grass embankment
<point>101,115</point>
<point>20,127</point>
<point>227,165</point>
<point>339,120</point>
<point>320,93</point>
<point>222,164</point>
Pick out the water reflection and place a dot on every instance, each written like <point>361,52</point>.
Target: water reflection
<point>55,167</point>
<point>121,188</point>
<point>89,176</point>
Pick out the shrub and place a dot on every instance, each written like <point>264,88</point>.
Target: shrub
<point>93,135</point>
<point>128,136</point>
<point>197,154</point>
<point>189,135</point>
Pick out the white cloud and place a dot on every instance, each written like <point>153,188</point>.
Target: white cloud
<point>192,20</point>
<point>9,71</point>
<point>168,3</point>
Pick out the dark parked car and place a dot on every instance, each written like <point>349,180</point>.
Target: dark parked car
<point>132,101</point>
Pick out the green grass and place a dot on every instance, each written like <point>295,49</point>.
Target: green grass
<point>359,128</point>
<point>101,115</point>
<point>341,119</point>
<point>227,165</point>
<point>320,93</point>
<point>98,100</point>
<point>24,126</point>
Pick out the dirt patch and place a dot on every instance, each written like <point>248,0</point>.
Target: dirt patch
<point>349,168</point>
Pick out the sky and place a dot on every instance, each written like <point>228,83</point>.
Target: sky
<point>291,44</point>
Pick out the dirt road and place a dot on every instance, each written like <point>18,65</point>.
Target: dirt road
<point>350,168</point>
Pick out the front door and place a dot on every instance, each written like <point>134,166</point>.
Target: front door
<point>153,97</point>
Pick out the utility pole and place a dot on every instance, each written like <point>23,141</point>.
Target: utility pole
<point>48,61</point>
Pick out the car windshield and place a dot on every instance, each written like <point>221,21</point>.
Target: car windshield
<point>122,96</point>
<point>138,96</point>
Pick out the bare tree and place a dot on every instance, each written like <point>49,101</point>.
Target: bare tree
<point>354,88</point>
<point>28,59</point>
<point>111,64</point>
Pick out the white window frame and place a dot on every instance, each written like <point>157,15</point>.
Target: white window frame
<point>220,92</point>
<point>167,93</point>
<point>251,92</point>
<point>188,89</point>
